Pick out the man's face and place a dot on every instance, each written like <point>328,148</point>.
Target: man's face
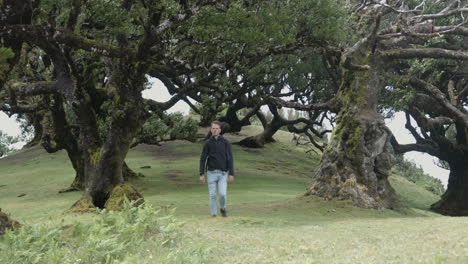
<point>215,130</point>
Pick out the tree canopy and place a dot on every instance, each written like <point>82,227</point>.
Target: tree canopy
<point>76,70</point>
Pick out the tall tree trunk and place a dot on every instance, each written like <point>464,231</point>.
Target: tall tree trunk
<point>454,201</point>
<point>356,163</point>
<point>128,173</point>
<point>77,161</point>
<point>104,159</point>
<point>104,166</point>
<point>58,134</point>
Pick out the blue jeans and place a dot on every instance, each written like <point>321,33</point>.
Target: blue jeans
<point>217,182</point>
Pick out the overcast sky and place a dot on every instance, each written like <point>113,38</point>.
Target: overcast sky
<point>159,93</point>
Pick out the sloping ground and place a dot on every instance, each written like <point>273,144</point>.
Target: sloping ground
<point>270,221</point>
<point>267,180</point>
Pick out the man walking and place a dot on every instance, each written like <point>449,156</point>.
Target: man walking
<point>217,156</point>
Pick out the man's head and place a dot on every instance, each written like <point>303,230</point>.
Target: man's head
<point>215,128</point>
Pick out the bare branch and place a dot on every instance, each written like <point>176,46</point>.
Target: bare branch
<point>400,11</point>
<point>425,53</point>
<point>440,15</point>
<point>330,105</point>
<point>426,147</point>
<point>411,129</point>
<point>304,131</point>
<point>441,98</point>
<point>439,31</point>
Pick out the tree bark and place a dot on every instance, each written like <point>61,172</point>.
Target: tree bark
<point>129,173</point>
<point>104,157</point>
<point>259,141</point>
<point>36,123</point>
<point>78,183</point>
<point>454,201</point>
<point>356,163</point>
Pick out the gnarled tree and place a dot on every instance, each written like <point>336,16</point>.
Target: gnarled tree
<point>356,163</point>
<point>119,34</point>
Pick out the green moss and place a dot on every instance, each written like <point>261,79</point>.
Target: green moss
<point>354,142</point>
<point>120,193</point>
<point>83,205</point>
<point>95,155</point>
<point>349,130</point>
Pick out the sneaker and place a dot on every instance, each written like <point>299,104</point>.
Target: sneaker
<point>213,216</point>
<point>223,212</point>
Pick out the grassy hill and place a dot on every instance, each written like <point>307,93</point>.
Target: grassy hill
<point>269,219</point>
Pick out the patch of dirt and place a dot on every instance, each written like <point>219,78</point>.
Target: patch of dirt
<point>172,175</point>
<point>165,151</point>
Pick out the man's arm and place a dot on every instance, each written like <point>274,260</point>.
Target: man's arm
<point>203,157</point>
<point>230,162</point>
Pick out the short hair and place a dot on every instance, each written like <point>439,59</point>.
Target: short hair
<point>216,122</point>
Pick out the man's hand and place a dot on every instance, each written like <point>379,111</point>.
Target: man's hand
<point>231,178</point>
<point>202,179</point>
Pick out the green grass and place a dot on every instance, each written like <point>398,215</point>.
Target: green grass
<point>269,219</point>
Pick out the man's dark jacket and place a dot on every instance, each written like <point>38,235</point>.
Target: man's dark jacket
<point>217,155</point>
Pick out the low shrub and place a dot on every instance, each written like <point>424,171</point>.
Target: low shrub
<point>134,235</point>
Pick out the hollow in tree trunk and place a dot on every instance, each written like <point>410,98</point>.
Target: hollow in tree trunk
<point>104,181</point>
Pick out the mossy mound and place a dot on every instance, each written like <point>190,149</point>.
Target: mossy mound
<point>7,223</point>
<point>120,193</point>
<point>83,205</point>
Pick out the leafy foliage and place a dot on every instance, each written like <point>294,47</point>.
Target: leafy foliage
<point>6,143</point>
<point>5,54</point>
<point>413,173</point>
<point>168,127</point>
<point>141,233</point>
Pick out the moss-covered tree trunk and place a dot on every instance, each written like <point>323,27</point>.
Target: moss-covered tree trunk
<point>104,166</point>
<point>454,201</point>
<point>356,163</point>
<point>104,157</point>
<point>76,159</point>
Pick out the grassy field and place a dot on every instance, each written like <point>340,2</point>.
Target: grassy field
<point>269,219</point>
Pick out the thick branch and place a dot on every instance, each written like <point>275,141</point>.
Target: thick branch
<point>426,147</point>
<point>63,36</point>
<point>425,53</point>
<point>440,97</point>
<point>31,89</point>
<point>21,109</point>
<point>330,105</point>
<point>440,15</point>
<point>304,131</point>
